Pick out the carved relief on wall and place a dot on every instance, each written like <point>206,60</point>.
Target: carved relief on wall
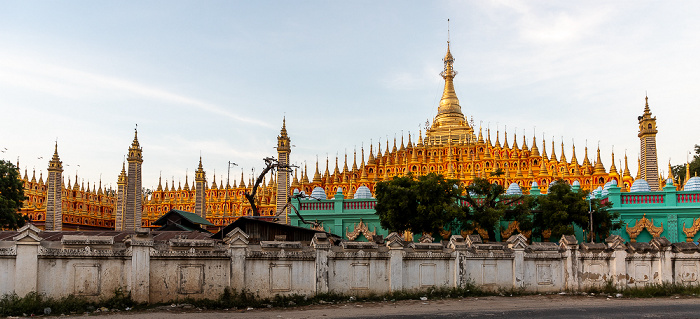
<point>318,226</point>
<point>692,230</point>
<point>642,224</point>
<point>512,227</point>
<point>482,232</point>
<point>360,228</point>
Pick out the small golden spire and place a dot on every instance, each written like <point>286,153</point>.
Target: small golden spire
<point>498,143</point>
<point>544,150</point>
<point>670,170</point>
<point>543,165</point>
<point>554,154</point>
<point>354,161</point>
<point>599,168</point>
<point>627,170</point>
<point>534,151</point>
<point>562,159</point>
<point>639,169</point>
<point>613,169</point>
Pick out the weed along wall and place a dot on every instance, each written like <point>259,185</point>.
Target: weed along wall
<point>164,266</point>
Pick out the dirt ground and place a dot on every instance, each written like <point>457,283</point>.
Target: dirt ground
<point>478,306</point>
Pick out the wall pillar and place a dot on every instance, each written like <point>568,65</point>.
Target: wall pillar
<point>238,243</point>
<point>27,260</point>
<point>618,262</point>
<point>395,244</point>
<point>322,246</point>
<point>518,243</point>
<point>141,244</point>
<point>665,268</point>
<point>571,263</point>
<point>459,247</point>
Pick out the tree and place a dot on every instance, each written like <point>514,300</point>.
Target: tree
<point>420,204</point>
<point>562,208</point>
<point>679,170</point>
<point>488,205</point>
<point>11,197</point>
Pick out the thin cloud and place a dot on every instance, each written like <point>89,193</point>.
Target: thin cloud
<point>72,83</point>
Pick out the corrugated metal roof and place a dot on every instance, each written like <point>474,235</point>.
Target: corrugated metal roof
<point>192,217</point>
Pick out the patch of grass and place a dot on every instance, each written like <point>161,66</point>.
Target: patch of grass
<point>35,304</point>
<point>661,290</point>
<point>647,291</point>
<point>233,299</point>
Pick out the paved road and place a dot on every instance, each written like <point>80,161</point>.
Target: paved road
<point>555,306</point>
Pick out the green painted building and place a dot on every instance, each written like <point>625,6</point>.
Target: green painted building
<point>645,214</point>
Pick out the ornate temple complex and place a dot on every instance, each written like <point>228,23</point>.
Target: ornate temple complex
<point>451,146</point>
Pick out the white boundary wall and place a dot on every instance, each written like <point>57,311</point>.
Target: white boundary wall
<point>95,266</point>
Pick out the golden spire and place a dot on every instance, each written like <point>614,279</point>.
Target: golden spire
<point>543,165</point>
<point>354,161</point>
<point>135,150</point>
<point>505,139</point>
<point>599,168</point>
<point>295,182</point>
<point>498,143</point>
<point>534,151</point>
<point>449,111</point>
<point>120,180</point>
<point>336,171</point>
<point>481,137</point>
<point>187,183</point>
<point>160,186</point>
<point>639,169</point>
<point>544,150</point>
<point>670,170</point>
<point>515,141</point>
<point>317,174</point>
<point>370,158</point>
<point>488,136</point>
<point>242,184</point>
<point>613,169</point>
<point>524,143</point>
<point>627,170</point>
<point>562,159</point>
<point>574,160</point>
<point>283,132</point>
<point>305,175</point>
<point>554,154</point>
<point>55,163</point>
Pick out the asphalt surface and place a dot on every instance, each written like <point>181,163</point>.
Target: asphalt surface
<point>545,306</point>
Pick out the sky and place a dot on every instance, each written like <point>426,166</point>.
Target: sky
<point>216,78</point>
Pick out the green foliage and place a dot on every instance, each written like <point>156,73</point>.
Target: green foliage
<point>679,170</point>
<point>11,197</point>
<point>562,208</point>
<point>417,203</point>
<point>488,205</point>
<point>647,291</point>
<point>34,304</point>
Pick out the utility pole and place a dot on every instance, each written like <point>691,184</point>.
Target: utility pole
<point>228,175</point>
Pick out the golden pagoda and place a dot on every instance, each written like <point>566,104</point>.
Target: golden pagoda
<point>452,148</point>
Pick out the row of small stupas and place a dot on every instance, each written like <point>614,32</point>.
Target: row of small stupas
<point>451,147</point>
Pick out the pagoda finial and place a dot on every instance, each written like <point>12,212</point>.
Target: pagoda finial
<point>613,168</point>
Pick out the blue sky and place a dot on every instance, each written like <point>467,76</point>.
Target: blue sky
<point>216,78</point>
